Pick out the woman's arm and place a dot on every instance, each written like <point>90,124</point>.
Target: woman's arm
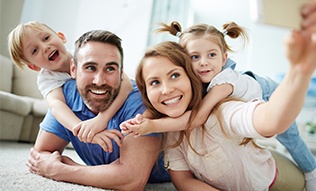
<point>285,103</point>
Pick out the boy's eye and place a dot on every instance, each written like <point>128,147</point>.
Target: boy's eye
<point>46,37</point>
<point>34,51</point>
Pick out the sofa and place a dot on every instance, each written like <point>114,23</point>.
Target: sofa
<point>22,107</point>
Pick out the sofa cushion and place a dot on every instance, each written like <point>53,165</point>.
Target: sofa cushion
<point>14,103</point>
<point>6,74</point>
<point>24,83</point>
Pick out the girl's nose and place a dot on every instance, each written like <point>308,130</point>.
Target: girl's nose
<point>203,62</point>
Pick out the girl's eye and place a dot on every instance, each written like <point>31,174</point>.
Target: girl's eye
<point>212,55</point>
<point>175,76</point>
<point>194,57</point>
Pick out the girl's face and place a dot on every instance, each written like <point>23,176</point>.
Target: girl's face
<point>207,58</point>
<point>168,86</point>
<point>45,49</point>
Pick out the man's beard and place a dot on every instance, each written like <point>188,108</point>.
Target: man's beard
<point>99,105</point>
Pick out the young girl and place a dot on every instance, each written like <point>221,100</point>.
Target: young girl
<point>208,51</point>
<point>212,157</point>
<point>37,46</point>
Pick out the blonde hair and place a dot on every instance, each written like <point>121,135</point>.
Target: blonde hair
<point>15,45</point>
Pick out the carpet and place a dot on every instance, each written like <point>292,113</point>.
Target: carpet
<point>14,174</point>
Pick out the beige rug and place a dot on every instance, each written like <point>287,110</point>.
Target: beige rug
<point>14,174</point>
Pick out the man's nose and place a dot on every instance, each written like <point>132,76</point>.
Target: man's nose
<point>99,79</point>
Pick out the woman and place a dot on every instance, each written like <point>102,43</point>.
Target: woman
<point>212,157</point>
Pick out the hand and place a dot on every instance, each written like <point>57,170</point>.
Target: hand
<point>45,164</point>
<point>126,124</point>
<point>86,130</point>
<point>138,126</point>
<point>104,139</point>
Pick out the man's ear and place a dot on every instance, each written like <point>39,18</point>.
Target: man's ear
<point>62,37</point>
<point>225,56</point>
<point>33,67</point>
<point>73,68</point>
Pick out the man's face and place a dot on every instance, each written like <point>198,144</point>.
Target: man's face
<point>98,74</point>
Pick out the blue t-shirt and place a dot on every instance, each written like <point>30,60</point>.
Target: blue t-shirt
<point>93,154</point>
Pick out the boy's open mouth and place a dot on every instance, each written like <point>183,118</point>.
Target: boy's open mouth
<point>53,55</point>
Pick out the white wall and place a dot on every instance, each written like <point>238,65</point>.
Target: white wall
<point>129,19</point>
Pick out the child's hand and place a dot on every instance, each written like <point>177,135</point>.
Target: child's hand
<point>138,126</point>
<point>104,139</point>
<point>86,130</point>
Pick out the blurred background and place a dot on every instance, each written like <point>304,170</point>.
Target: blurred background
<point>135,20</point>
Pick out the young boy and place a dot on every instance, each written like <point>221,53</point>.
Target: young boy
<point>40,48</point>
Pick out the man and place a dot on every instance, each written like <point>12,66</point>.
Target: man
<point>97,68</point>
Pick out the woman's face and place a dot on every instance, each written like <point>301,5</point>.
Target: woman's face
<point>168,86</point>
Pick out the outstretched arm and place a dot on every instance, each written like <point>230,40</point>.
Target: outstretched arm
<point>276,116</point>
<point>86,130</point>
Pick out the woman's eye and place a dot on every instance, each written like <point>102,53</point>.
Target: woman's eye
<point>175,76</point>
<point>154,83</point>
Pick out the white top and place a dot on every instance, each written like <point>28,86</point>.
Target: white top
<point>224,163</point>
<point>48,80</point>
<point>244,86</point>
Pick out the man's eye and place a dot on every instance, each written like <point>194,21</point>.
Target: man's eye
<point>92,68</point>
<point>110,69</point>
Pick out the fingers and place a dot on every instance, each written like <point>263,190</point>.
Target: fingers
<point>32,161</point>
<point>105,138</point>
<point>309,15</point>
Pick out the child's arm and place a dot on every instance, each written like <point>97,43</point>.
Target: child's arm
<point>60,110</point>
<point>144,125</point>
<point>87,129</point>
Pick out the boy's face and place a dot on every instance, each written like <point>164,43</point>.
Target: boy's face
<point>45,49</point>
<point>98,74</point>
<point>207,58</point>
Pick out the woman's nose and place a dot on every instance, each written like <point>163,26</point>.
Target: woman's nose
<point>167,88</point>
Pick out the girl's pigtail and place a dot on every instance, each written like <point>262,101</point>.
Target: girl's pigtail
<point>174,28</point>
<point>234,31</point>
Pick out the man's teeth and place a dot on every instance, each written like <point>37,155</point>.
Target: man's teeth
<point>98,91</point>
<point>172,101</point>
